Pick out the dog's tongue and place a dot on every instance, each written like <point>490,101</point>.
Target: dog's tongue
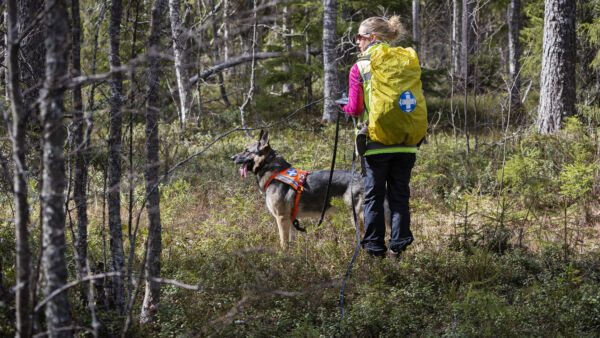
<point>244,170</point>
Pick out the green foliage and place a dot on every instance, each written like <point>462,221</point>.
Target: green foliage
<point>446,167</point>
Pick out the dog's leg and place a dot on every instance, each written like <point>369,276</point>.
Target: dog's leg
<point>284,224</point>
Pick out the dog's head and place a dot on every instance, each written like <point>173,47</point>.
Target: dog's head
<point>255,155</point>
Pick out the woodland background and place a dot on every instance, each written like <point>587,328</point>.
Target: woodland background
<point>122,213</point>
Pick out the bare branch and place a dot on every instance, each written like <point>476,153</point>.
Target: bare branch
<point>247,58</point>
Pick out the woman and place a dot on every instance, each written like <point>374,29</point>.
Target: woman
<point>387,168</point>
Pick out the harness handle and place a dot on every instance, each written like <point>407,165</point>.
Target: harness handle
<point>296,225</point>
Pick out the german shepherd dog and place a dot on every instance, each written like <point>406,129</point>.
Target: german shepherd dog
<point>263,162</point>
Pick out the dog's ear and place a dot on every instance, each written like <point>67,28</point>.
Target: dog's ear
<point>264,139</point>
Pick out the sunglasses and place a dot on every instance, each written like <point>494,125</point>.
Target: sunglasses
<point>360,36</point>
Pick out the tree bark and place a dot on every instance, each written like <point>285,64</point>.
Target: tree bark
<point>287,47</point>
<point>415,27</point>
<point>32,54</point>
<point>216,52</point>
<point>114,156</point>
<point>23,323</point>
<point>179,44</point>
<point>514,53</point>
<point>331,85</point>
<point>80,172</point>
<point>557,92</point>
<point>58,312</point>
<point>468,38</point>
<point>154,246</point>
<point>308,79</point>
<point>245,58</point>
<point>455,37</point>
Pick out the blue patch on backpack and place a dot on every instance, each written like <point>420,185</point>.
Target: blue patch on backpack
<point>407,102</point>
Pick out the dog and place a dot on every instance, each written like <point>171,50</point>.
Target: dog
<point>262,161</point>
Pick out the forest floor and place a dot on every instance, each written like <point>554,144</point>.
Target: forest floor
<point>486,261</point>
<point>489,259</point>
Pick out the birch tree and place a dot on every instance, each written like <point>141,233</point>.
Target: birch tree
<point>154,245</point>
<point>331,85</point>
<point>19,118</point>
<point>456,22</point>
<point>415,26</point>
<point>557,83</point>
<point>287,47</point>
<point>58,310</point>
<point>514,53</point>
<point>308,78</point>
<point>114,155</point>
<point>179,42</point>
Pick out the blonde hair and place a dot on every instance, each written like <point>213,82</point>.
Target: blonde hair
<point>386,30</point>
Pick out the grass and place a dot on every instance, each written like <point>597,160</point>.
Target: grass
<point>488,259</point>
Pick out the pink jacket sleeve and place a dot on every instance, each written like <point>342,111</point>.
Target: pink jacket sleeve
<point>355,93</point>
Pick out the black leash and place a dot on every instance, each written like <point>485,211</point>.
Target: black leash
<point>355,227</point>
<point>335,144</point>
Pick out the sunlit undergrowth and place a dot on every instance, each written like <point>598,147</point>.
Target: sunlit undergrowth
<point>506,243</point>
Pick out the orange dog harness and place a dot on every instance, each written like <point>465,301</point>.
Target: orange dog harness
<point>294,178</point>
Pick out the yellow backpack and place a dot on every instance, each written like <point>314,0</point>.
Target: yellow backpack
<point>394,96</point>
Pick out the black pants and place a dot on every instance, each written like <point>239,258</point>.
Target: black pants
<point>387,175</point>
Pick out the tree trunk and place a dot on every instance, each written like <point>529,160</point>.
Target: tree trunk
<point>23,323</point>
<point>455,37</point>
<point>415,27</point>
<point>308,79</point>
<point>152,295</point>
<point>287,47</point>
<point>227,22</point>
<point>58,312</point>
<point>179,44</point>
<point>468,38</point>
<point>514,53</point>
<point>331,84</point>
<point>216,52</point>
<point>32,54</point>
<point>114,156</point>
<point>557,92</point>
<point>79,185</point>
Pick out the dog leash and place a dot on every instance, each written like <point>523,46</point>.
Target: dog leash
<point>357,249</point>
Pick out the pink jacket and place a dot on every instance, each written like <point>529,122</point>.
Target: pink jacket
<point>355,93</point>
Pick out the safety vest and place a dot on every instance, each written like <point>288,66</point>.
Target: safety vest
<point>396,107</point>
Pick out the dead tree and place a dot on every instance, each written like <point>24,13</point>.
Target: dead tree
<point>557,92</point>
<point>154,245</point>
<point>58,309</point>
<point>114,156</point>
<point>19,117</point>
<point>331,85</point>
